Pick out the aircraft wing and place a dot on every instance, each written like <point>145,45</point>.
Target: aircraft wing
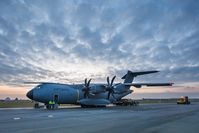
<point>139,85</point>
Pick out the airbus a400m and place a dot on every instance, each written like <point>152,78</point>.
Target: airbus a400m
<point>88,94</point>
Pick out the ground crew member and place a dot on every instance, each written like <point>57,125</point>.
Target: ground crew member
<point>50,104</point>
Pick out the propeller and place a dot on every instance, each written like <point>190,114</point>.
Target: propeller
<point>110,87</point>
<point>86,88</point>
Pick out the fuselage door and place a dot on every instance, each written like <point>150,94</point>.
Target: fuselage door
<point>56,95</point>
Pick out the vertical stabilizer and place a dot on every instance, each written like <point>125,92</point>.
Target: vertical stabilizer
<point>128,78</point>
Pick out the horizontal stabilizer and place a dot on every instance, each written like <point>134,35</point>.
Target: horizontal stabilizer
<point>139,73</point>
<point>139,85</point>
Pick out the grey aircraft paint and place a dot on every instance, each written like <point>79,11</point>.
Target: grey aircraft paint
<point>97,95</point>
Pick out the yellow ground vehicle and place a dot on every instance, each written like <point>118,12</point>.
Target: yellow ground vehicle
<point>183,100</point>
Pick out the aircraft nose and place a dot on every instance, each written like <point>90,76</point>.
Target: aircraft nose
<point>30,94</point>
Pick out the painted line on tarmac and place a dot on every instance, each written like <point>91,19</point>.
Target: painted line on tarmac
<point>50,116</point>
<point>17,118</point>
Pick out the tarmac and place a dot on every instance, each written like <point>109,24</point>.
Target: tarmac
<point>148,118</point>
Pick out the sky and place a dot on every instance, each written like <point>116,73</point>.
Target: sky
<point>68,41</point>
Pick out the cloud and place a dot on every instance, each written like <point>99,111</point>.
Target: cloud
<point>58,40</point>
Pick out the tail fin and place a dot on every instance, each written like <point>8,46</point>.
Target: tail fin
<point>128,78</point>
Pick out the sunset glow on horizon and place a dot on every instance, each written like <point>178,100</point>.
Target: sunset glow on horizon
<point>139,93</point>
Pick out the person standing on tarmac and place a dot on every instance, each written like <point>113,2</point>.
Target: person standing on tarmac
<point>50,104</point>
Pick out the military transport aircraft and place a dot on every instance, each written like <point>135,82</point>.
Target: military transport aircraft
<point>88,94</point>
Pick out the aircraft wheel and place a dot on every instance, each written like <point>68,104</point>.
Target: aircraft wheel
<point>48,106</point>
<point>56,106</point>
<point>36,106</point>
<point>84,106</point>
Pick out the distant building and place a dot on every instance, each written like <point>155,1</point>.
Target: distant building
<point>16,99</point>
<point>7,99</point>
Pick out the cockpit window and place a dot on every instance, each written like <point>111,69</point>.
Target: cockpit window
<point>38,87</point>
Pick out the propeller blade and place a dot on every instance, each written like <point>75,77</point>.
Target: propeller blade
<point>85,81</point>
<point>88,83</point>
<point>108,81</point>
<point>113,80</point>
<point>109,93</point>
<point>86,88</point>
<point>110,88</point>
<point>113,96</point>
<point>85,94</point>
